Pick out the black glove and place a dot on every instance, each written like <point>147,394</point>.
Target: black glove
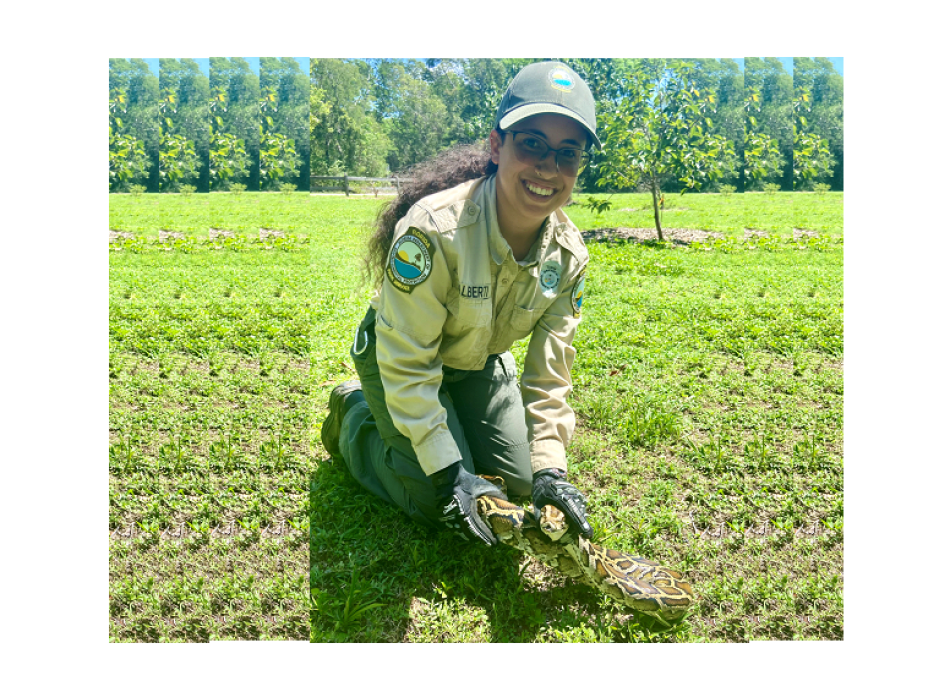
<point>456,491</point>
<point>550,489</point>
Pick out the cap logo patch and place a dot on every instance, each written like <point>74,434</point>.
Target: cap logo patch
<point>561,80</point>
<point>410,261</point>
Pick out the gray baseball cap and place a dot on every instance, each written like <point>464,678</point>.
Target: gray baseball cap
<point>549,87</point>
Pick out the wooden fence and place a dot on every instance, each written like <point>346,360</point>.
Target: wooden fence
<point>342,182</point>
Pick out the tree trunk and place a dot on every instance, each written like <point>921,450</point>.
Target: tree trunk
<point>655,191</point>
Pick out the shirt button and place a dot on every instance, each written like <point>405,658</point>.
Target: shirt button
<point>471,209</point>
<point>504,280</point>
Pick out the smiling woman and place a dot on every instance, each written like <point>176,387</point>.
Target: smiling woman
<point>474,262</point>
<point>477,255</point>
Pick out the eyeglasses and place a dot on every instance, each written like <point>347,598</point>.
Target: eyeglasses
<point>532,150</point>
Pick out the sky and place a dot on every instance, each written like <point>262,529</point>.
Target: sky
<point>255,63</point>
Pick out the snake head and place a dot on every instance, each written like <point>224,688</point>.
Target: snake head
<point>553,523</point>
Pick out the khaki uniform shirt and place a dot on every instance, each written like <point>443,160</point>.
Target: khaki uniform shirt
<point>453,294</point>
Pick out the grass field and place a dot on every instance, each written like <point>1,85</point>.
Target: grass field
<point>210,405</point>
<point>709,395</point>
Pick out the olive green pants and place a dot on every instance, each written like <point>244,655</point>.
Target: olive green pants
<point>485,414</point>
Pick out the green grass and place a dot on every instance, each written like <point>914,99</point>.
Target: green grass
<point>209,411</point>
<point>708,391</point>
<point>138,214</point>
<point>709,395</point>
<point>778,213</point>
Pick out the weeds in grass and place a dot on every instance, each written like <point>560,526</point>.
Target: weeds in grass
<point>344,612</point>
<point>649,422</point>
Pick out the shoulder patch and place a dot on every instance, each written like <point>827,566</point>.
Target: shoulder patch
<point>577,295</point>
<point>410,260</point>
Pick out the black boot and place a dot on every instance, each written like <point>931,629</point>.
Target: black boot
<point>341,399</point>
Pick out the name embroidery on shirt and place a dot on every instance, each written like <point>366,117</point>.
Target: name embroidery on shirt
<point>474,292</point>
<point>410,260</point>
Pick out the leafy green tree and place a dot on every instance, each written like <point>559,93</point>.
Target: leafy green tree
<point>470,89</point>
<point>825,115</point>
<point>178,162</point>
<point>188,115</point>
<point>346,137</point>
<point>725,78</point>
<point>414,117</point>
<point>230,162</point>
<point>289,114</point>
<point>812,158</point>
<point>139,116</point>
<point>660,128</point>
<point>235,109</point>
<point>279,161</point>
<point>774,119</point>
<point>762,159</point>
<point>127,159</point>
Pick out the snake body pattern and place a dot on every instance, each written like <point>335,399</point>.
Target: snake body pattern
<point>636,582</point>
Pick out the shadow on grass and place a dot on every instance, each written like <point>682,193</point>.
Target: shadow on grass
<point>377,576</point>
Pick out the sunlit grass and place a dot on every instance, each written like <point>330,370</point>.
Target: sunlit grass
<point>709,395</point>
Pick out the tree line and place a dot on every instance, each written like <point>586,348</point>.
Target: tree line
<point>672,125</point>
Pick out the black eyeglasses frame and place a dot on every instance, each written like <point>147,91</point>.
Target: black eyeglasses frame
<point>584,157</point>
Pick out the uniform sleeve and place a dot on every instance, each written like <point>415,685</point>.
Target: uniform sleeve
<point>546,380</point>
<point>409,320</point>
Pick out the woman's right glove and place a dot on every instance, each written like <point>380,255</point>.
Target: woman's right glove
<point>456,491</point>
<point>551,489</point>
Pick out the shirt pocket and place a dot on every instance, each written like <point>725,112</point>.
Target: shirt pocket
<point>474,313</point>
<point>523,320</point>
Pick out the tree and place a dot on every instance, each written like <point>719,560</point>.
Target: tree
<point>279,160</point>
<point>825,115</point>
<point>725,78</point>
<point>235,109</point>
<point>660,128</point>
<point>229,160</point>
<point>139,116</point>
<point>187,115</point>
<point>288,82</point>
<point>414,117</point>
<point>127,159</point>
<point>346,137</point>
<point>774,117</point>
<point>178,163</point>
<point>812,158</point>
<point>762,160</point>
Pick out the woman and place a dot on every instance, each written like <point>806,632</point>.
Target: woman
<point>476,255</point>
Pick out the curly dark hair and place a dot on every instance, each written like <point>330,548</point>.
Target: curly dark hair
<point>446,170</point>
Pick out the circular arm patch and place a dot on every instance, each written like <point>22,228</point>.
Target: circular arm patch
<point>410,260</point>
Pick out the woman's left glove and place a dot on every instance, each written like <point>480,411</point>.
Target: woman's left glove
<point>550,489</point>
